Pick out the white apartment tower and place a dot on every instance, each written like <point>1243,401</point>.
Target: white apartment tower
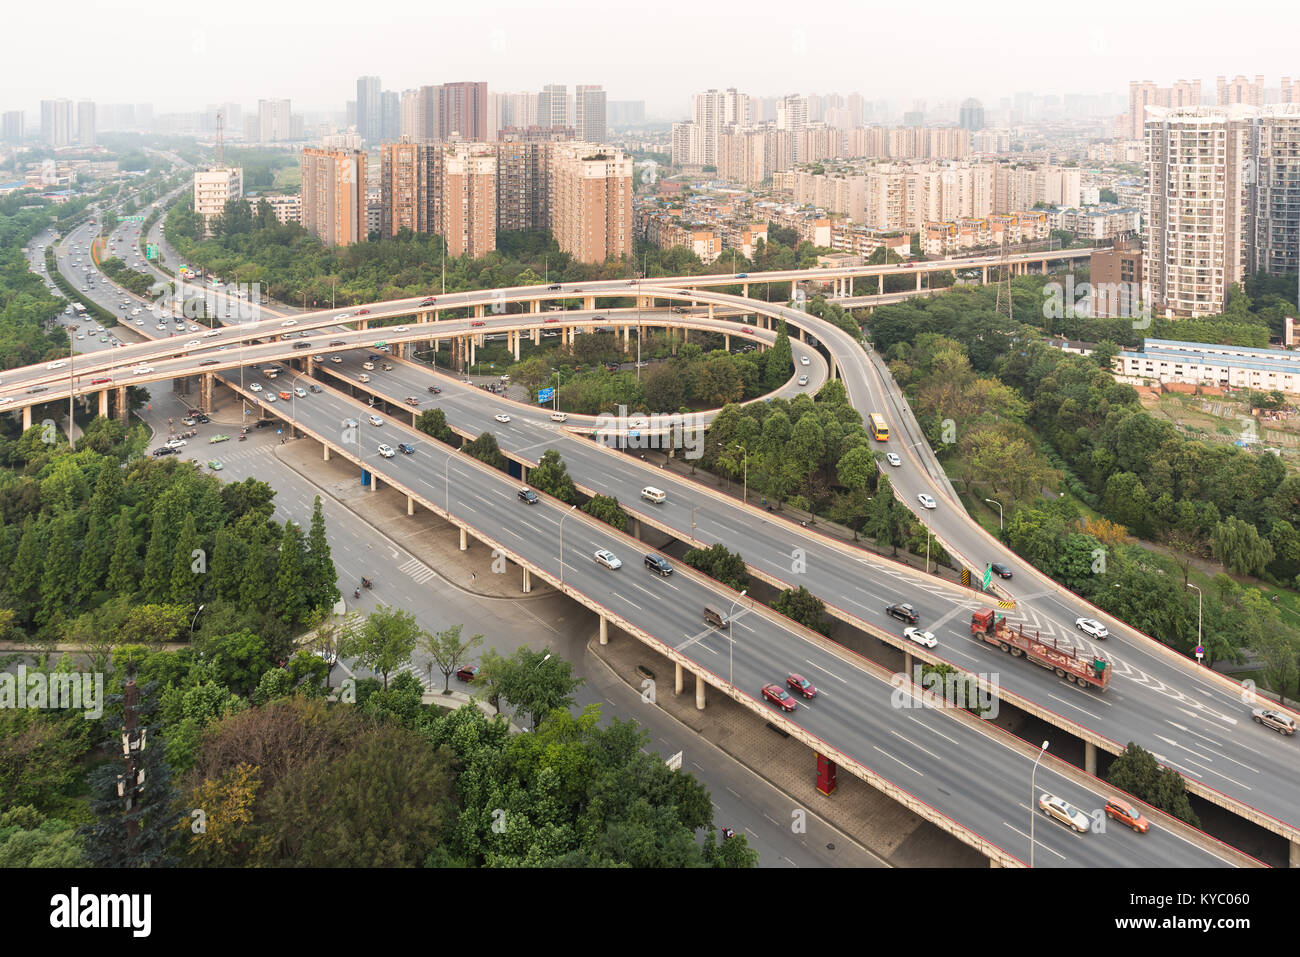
<point>213,188</point>
<point>589,113</point>
<point>1197,162</point>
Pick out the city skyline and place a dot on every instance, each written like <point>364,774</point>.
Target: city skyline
<point>515,47</point>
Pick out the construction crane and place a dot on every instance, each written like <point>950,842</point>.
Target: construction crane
<point>219,150</point>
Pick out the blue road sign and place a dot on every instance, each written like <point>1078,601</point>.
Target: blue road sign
<point>545,395</point>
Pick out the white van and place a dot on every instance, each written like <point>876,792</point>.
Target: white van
<point>559,416</point>
<point>652,494</point>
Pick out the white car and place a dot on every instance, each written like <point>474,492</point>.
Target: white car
<point>339,318</point>
<point>803,380</point>
<point>1066,813</point>
<point>375,420</point>
<point>270,397</point>
<point>81,335</point>
<point>501,417</point>
<point>289,322</point>
<point>606,558</point>
<point>559,416</point>
<point>192,344</point>
<point>161,327</point>
<point>139,322</point>
<point>1091,626</point>
<point>256,387</point>
<point>387,451</point>
<point>57,364</point>
<point>893,459</point>
<point>924,638</point>
<point>803,360</point>
<point>300,392</point>
<point>926,501</point>
<point>175,443</point>
<point>400,329</point>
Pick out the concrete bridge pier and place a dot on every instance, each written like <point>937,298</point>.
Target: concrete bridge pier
<point>464,539</point>
<point>677,677</point>
<point>604,630</point>
<point>699,692</point>
<point>528,581</point>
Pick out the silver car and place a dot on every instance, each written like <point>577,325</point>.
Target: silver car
<point>605,557</point>
<point>1066,813</point>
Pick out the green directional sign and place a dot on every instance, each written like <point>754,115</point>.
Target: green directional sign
<point>150,251</point>
<point>988,576</point>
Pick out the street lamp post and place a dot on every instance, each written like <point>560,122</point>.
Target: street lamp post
<point>999,505</point>
<point>195,619</point>
<point>1198,614</point>
<point>1033,801</point>
<point>731,645</point>
<point>562,518</point>
<point>446,479</point>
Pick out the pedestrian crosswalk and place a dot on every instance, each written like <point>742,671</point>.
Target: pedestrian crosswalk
<point>420,573</point>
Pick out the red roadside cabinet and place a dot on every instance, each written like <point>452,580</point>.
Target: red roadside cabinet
<point>825,774</point>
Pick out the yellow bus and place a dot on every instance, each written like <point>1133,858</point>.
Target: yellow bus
<point>879,430</point>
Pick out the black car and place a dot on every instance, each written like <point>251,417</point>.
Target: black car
<point>1000,570</point>
<point>903,612</point>
<point>203,419</point>
<point>263,423</point>
<point>529,496</point>
<point>208,362</point>
<point>658,565</point>
<point>164,450</point>
<point>338,342</point>
<point>37,388</point>
<point>406,448</point>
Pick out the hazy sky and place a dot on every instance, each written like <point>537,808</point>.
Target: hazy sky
<point>194,54</point>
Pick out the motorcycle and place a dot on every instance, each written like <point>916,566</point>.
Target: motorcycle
<point>356,593</point>
<point>242,437</point>
<point>366,582</point>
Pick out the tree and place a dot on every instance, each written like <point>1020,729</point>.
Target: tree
<point>1136,772</point>
<point>780,361</point>
<point>290,580</point>
<point>538,683</point>
<point>607,510</point>
<point>1238,545</point>
<point>123,572</point>
<point>158,558</point>
<point>321,578</point>
<point>184,582</point>
<point>385,642</point>
<point>803,606</point>
<point>485,449</point>
<point>447,652</point>
<point>551,475</point>
<point>434,422</point>
<point>720,564</point>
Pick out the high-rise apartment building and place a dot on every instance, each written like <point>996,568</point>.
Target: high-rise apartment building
<point>406,171</point>
<point>390,107</point>
<point>469,199</point>
<point>370,109</point>
<point>971,115</point>
<point>412,125</point>
<point>463,111</point>
<point>591,201</point>
<point>1196,162</point>
<point>553,106</point>
<point>273,121</point>
<point>429,100</point>
<point>215,186</point>
<point>1145,94</point>
<point>589,113</point>
<point>687,144</point>
<point>792,113</point>
<point>715,113</point>
<point>1239,91</point>
<point>625,112</point>
<point>523,186</point>
<point>11,126</point>
<point>86,123</point>
<point>334,195</point>
<point>1274,190</point>
<point>1290,92</point>
<point>57,122</point>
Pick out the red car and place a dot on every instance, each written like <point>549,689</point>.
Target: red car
<point>103,378</point>
<point>478,322</point>
<point>362,312</point>
<point>551,319</point>
<point>802,685</point>
<point>779,697</point>
<point>467,673</point>
<point>431,301</point>
<point>1124,812</point>
<point>747,331</point>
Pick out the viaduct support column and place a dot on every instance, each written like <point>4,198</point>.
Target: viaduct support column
<point>604,630</point>
<point>27,417</point>
<point>677,684</point>
<point>881,277</point>
<point>464,539</point>
<point>517,337</point>
<point>1295,855</point>
<point>325,453</point>
<point>1090,758</point>
<point>123,408</point>
<point>726,341</point>
<point>699,692</point>
<point>528,582</point>
<point>918,281</point>
<point>410,505</point>
<point>103,403</point>
<point>473,351</point>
